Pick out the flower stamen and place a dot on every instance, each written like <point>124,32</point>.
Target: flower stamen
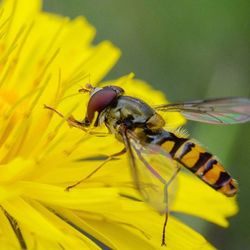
<point>38,80</point>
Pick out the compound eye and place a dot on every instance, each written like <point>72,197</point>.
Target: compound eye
<point>100,100</point>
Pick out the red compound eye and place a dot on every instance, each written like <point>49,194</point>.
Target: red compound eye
<point>101,99</point>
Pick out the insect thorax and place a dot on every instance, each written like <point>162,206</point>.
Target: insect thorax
<point>131,112</point>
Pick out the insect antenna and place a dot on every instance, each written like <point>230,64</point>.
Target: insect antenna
<point>88,88</point>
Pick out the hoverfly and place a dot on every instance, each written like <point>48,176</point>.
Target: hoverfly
<point>155,151</point>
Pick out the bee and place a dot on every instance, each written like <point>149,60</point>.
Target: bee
<point>155,154</point>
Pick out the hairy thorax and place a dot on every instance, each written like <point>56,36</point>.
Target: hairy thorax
<point>132,113</point>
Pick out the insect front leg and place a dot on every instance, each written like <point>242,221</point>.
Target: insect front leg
<point>109,158</point>
<point>83,125</point>
<point>71,120</point>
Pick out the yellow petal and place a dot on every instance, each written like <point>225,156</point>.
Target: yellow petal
<point>80,222</point>
<point>8,238</point>
<point>145,229</point>
<point>19,13</point>
<point>26,215</point>
<point>81,199</point>
<point>15,170</point>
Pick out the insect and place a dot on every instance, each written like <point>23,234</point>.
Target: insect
<point>155,154</point>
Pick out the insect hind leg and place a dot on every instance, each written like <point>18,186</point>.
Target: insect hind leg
<point>163,239</point>
<point>111,157</point>
<point>178,168</point>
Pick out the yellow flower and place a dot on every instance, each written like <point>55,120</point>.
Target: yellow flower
<point>44,58</point>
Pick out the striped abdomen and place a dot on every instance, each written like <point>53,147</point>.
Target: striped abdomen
<point>201,163</point>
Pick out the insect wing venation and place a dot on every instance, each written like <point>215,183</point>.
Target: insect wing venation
<point>214,111</point>
<point>152,168</point>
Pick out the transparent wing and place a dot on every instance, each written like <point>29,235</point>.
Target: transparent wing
<point>229,110</point>
<point>152,170</point>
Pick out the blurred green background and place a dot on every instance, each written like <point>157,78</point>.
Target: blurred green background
<point>190,50</point>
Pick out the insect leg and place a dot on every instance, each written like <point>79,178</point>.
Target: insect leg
<point>75,123</point>
<point>178,168</point>
<point>71,120</point>
<point>163,239</point>
<point>111,157</point>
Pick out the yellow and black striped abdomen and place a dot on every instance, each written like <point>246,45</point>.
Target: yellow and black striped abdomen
<point>201,163</point>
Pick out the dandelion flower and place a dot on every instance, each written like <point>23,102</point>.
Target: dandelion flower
<point>43,60</point>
